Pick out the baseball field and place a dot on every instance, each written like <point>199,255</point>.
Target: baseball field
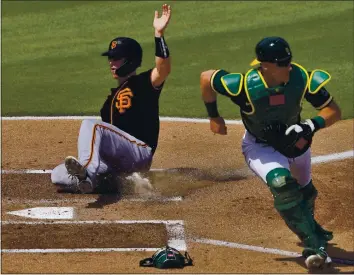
<point>204,200</point>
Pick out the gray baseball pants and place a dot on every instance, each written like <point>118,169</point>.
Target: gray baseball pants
<point>104,148</point>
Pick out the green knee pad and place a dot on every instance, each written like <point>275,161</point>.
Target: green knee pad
<point>285,190</point>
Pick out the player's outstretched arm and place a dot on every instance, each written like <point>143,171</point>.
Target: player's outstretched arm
<point>327,116</point>
<point>208,95</point>
<point>162,59</point>
<point>217,123</point>
<point>331,114</point>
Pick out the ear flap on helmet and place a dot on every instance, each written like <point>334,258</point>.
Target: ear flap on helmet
<point>129,66</point>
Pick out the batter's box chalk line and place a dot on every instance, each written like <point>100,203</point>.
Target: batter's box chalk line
<point>262,249</point>
<point>167,119</point>
<point>314,160</point>
<point>175,235</point>
<point>176,238</point>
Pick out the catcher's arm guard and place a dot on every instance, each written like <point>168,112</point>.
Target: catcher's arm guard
<point>227,84</point>
<point>233,83</point>
<point>318,78</point>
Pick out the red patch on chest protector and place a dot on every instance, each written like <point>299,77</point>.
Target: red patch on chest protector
<point>275,100</point>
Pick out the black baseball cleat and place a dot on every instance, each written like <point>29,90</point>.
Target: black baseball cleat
<point>74,168</point>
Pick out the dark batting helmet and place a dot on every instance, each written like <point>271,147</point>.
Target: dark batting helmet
<point>128,49</point>
<point>273,49</point>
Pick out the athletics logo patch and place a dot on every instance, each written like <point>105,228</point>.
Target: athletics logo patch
<point>124,100</point>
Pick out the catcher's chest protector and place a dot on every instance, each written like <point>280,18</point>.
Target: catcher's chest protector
<point>280,104</point>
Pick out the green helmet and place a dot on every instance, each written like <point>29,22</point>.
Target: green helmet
<point>273,49</point>
<point>167,257</point>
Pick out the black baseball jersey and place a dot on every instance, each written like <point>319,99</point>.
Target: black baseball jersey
<point>134,108</point>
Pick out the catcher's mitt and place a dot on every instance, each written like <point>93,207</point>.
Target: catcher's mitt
<point>290,141</point>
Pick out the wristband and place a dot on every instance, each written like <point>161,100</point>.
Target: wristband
<point>318,122</point>
<point>212,109</point>
<point>161,49</point>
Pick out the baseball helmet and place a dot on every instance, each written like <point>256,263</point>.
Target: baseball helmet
<point>128,49</point>
<point>167,257</point>
<point>273,49</point>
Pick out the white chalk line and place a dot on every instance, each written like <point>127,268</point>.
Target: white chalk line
<point>75,250</point>
<point>166,222</point>
<point>176,239</point>
<point>48,171</point>
<point>174,228</point>
<point>262,249</point>
<point>248,247</point>
<point>176,235</point>
<point>91,200</point>
<point>167,119</point>
<point>332,157</point>
<point>314,160</point>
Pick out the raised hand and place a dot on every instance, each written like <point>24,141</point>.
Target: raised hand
<point>160,23</point>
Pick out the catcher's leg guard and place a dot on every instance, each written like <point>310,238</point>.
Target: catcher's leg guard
<point>310,194</point>
<point>289,202</point>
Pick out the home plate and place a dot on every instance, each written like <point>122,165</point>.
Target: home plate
<point>53,213</point>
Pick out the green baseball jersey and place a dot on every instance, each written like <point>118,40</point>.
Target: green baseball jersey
<point>261,105</point>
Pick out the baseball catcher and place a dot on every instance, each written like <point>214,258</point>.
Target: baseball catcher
<point>126,139</point>
<point>276,144</point>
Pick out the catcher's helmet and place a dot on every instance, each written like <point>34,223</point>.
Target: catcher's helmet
<point>167,257</point>
<point>128,49</point>
<point>273,49</point>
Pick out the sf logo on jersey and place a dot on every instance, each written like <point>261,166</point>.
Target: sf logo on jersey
<point>124,100</point>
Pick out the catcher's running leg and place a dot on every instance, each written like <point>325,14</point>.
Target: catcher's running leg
<point>274,169</point>
<point>301,170</point>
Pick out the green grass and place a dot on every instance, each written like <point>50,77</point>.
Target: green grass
<point>51,63</point>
